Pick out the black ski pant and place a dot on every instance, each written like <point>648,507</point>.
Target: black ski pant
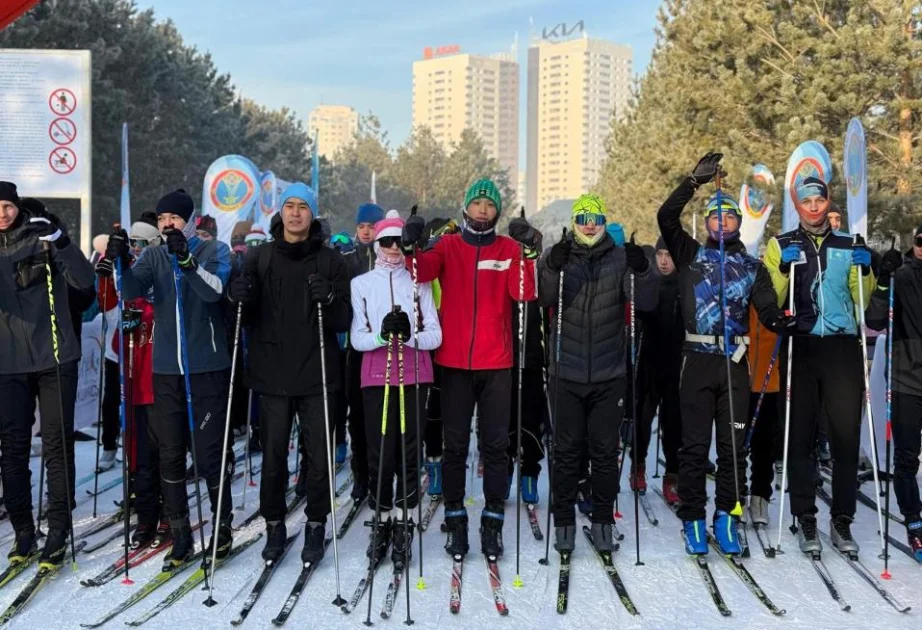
<point>168,424</point>
<point>661,393</point>
<point>827,378</point>
<point>277,413</point>
<point>339,404</point>
<point>589,416</point>
<point>357,433</point>
<point>907,442</point>
<point>534,416</point>
<point>705,401</point>
<point>489,391</point>
<point>111,407</point>
<point>389,446</point>
<point>17,413</point>
<point>766,443</point>
<point>145,468</point>
<point>432,433</point>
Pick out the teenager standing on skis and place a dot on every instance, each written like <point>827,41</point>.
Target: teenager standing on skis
<point>592,367</point>
<point>827,370</point>
<point>705,393</point>
<point>480,274</point>
<point>28,369</point>
<point>903,275</point>
<point>282,286</point>
<point>204,267</point>
<point>378,332</point>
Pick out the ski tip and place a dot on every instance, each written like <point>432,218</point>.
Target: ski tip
<point>517,582</point>
<point>421,584</point>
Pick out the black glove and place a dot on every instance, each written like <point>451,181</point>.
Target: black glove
<point>48,232</point>
<point>412,233</point>
<point>396,323</point>
<point>636,259</point>
<point>706,169</point>
<point>118,246</point>
<point>783,323</point>
<point>178,246</point>
<point>559,255</point>
<point>131,319</point>
<point>105,268</point>
<point>522,231</point>
<point>321,290</point>
<point>889,263</point>
<point>241,289</point>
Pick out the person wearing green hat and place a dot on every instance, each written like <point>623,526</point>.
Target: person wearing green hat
<point>482,275</point>
<point>591,371</point>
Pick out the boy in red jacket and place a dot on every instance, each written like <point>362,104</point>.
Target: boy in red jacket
<point>481,276</point>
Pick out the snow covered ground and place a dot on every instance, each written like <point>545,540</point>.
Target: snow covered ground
<point>667,589</point>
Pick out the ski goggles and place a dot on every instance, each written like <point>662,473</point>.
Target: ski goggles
<point>386,242</point>
<point>138,243</point>
<point>589,218</point>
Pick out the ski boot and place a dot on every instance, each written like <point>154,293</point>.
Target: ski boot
<point>183,545</point>
<point>55,549</point>
<point>530,490</point>
<point>914,537</point>
<point>24,546</point>
<point>276,535</point>
<point>456,526</point>
<point>695,532</point>
<point>225,539</point>
<point>314,545</point>
<point>491,531</point>
<point>584,497</point>
<point>841,534</point>
<point>807,536</point>
<point>379,539</point>
<point>143,535</point>
<point>602,537</point>
<point>758,510</point>
<point>106,461</point>
<point>402,542</point>
<point>726,534</point>
<point>638,479</point>
<point>163,534</point>
<point>671,488</point>
<point>341,451</point>
<point>565,538</point>
<point>434,464</point>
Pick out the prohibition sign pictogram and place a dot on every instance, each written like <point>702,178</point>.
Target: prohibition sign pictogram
<point>62,131</point>
<point>62,160</point>
<point>62,102</point>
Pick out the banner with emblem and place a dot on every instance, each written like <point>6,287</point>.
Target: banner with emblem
<point>810,159</point>
<point>855,168</point>
<point>756,205</point>
<point>231,193</point>
<point>270,191</point>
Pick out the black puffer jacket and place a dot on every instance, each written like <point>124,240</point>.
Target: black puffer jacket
<point>664,331</point>
<point>360,260</point>
<point>596,289</point>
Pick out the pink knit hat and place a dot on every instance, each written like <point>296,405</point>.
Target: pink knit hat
<point>391,225</point>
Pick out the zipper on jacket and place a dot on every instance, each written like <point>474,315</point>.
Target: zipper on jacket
<point>470,356</point>
<point>214,348</point>
<point>819,268</point>
<point>590,299</point>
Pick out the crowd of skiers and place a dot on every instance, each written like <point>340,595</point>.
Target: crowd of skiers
<point>395,340</point>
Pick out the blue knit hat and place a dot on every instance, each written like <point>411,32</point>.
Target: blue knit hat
<point>369,213</point>
<point>300,190</point>
<point>812,187</point>
<point>616,232</point>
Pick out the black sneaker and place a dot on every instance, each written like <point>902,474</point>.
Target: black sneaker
<point>314,546</point>
<point>23,546</point>
<point>491,531</point>
<point>55,549</point>
<point>276,534</point>
<point>183,544</point>
<point>163,534</point>
<point>225,540</point>
<point>402,542</point>
<point>456,526</point>
<point>143,535</point>
<point>379,539</point>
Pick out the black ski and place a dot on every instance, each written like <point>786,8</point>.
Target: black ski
<point>393,589</point>
<point>341,490</point>
<point>45,574</point>
<point>350,517</point>
<point>866,575</point>
<point>762,536</point>
<point>12,571</point>
<point>705,571</point>
<point>434,502</point>
<point>264,577</point>
<point>454,599</point>
<point>307,570</point>
<point>532,511</point>
<point>361,588</point>
<point>613,577</point>
<point>563,583</point>
<point>743,574</point>
<point>648,509</point>
<point>110,538</point>
<point>817,561</point>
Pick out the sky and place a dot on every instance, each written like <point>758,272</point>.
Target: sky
<point>301,53</point>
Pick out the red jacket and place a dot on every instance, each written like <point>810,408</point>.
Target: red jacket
<point>480,286</point>
<point>141,390</point>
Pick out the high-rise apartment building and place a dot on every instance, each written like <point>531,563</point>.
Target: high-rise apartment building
<point>335,126</point>
<point>454,91</point>
<point>574,89</point>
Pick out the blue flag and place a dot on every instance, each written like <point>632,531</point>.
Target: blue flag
<point>315,169</point>
<point>125,212</point>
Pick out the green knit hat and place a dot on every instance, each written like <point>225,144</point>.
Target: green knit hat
<point>484,188</point>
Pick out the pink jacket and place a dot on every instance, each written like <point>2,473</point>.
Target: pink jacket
<point>373,296</point>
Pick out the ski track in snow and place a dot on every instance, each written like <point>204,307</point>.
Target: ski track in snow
<point>667,590</point>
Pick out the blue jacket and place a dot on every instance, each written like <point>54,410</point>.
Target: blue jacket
<point>202,297</point>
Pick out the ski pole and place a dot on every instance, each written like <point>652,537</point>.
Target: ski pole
<point>517,581</point>
<point>57,370</point>
<point>867,400</point>
<point>249,455</point>
<point>124,403</point>
<point>339,601</point>
<point>886,574</point>
<point>41,483</point>
<point>187,379</point>
<point>658,429</point>
<point>768,375</point>
<point>101,389</point>
<point>787,411</point>
<point>417,321</point>
<point>403,458</point>
<point>557,342</point>
<point>227,421</point>
<point>636,419</point>
<point>377,519</point>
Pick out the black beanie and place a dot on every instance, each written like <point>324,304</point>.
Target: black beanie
<point>8,193</point>
<point>660,244</point>
<point>177,202</point>
<point>148,217</point>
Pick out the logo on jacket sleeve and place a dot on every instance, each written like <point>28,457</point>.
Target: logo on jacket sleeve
<point>495,265</point>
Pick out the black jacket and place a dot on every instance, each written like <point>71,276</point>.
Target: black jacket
<point>360,260</point>
<point>907,324</point>
<point>596,288</point>
<point>284,344</point>
<point>663,331</point>
<point>535,328</point>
